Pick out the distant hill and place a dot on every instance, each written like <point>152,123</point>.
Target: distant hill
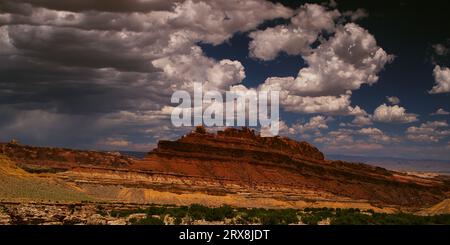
<point>135,154</point>
<point>399,164</point>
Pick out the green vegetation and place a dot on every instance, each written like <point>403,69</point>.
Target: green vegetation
<point>311,216</point>
<point>369,217</point>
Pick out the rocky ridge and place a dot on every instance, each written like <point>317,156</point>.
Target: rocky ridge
<point>237,167</point>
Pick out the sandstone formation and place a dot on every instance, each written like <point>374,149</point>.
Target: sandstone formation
<point>245,158</point>
<point>235,167</point>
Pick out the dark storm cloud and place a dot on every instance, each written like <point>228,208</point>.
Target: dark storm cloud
<point>78,72</point>
<point>72,47</point>
<point>99,5</point>
<point>106,21</point>
<point>13,7</point>
<point>74,90</point>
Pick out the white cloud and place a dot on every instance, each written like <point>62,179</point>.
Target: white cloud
<point>370,131</point>
<point>314,17</point>
<point>283,129</point>
<point>352,141</point>
<point>428,132</point>
<point>393,114</point>
<point>267,44</point>
<point>337,137</point>
<point>119,143</point>
<point>184,69</point>
<point>338,105</point>
<point>442,79</point>
<point>348,60</point>
<point>333,105</point>
<point>377,135</point>
<point>362,120</point>
<point>315,124</point>
<point>440,111</point>
<point>344,62</point>
<point>217,21</point>
<point>393,100</point>
<point>295,38</point>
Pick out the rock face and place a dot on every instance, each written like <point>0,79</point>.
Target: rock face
<point>244,158</point>
<point>235,167</point>
<point>31,213</point>
<point>233,145</point>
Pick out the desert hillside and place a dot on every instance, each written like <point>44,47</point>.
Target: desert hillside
<point>236,167</point>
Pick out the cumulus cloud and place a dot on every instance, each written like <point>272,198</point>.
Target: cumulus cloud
<point>315,123</point>
<point>214,75</point>
<point>439,112</point>
<point>377,135</point>
<point>333,105</point>
<point>314,126</point>
<point>295,38</point>
<point>393,100</point>
<point>432,131</point>
<point>283,129</point>
<point>354,141</point>
<point>442,79</point>
<point>393,114</point>
<point>321,104</point>
<point>362,120</point>
<point>339,64</point>
<point>346,61</point>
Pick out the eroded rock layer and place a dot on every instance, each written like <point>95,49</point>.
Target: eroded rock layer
<point>235,167</point>
<point>245,158</point>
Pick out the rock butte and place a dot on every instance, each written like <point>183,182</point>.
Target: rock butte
<point>235,167</point>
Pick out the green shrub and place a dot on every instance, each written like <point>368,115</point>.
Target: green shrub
<point>156,210</point>
<point>198,212</point>
<point>178,212</point>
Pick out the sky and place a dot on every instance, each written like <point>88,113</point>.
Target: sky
<point>355,78</point>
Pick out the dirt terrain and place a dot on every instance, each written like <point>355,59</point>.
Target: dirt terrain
<point>235,167</point>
